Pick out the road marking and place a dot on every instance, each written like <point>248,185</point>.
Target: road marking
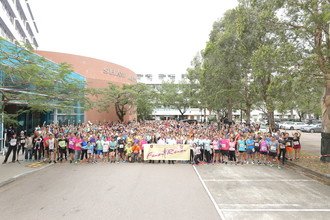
<point>261,180</point>
<point>275,210</point>
<point>259,205</point>
<point>209,194</point>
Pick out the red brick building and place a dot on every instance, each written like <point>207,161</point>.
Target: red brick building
<point>98,74</point>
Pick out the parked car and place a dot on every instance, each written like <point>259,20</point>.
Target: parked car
<point>190,121</point>
<point>284,124</point>
<point>264,128</point>
<point>312,128</point>
<point>294,125</point>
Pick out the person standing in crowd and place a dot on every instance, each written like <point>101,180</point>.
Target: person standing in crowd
<point>250,149</point>
<point>71,141</point>
<point>90,152</point>
<point>84,149</point>
<point>21,143</point>
<point>12,147</point>
<point>45,144</point>
<point>241,150</point>
<point>197,153</point>
<point>224,143</point>
<point>216,150</point>
<point>232,150</point>
<point>112,142</point>
<point>263,150</point>
<point>121,147</point>
<point>77,149</point>
<point>296,144</point>
<point>37,148</point>
<point>288,144</point>
<point>62,143</point>
<point>273,150</point>
<point>136,152</point>
<point>281,150</point>
<point>51,148</point>
<point>28,147</point>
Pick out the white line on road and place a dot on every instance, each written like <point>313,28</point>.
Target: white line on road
<point>275,210</point>
<point>259,205</point>
<point>209,194</point>
<point>260,180</point>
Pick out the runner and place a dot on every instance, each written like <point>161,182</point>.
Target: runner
<point>241,150</point>
<point>296,144</point>
<point>273,151</point>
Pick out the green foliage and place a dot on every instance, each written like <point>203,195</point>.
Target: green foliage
<point>178,96</point>
<point>268,53</point>
<point>35,83</point>
<point>137,98</point>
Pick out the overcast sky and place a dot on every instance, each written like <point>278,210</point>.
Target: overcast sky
<point>147,36</point>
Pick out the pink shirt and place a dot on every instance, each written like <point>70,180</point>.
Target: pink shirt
<point>224,144</point>
<point>72,143</point>
<point>143,142</point>
<point>77,144</point>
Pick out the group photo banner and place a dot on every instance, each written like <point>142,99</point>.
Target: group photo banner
<point>166,152</point>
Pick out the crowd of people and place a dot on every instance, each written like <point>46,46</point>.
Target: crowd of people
<point>118,142</point>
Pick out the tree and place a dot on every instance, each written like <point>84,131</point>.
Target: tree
<point>120,97</point>
<point>222,69</point>
<point>178,96</point>
<point>35,83</point>
<point>145,100</point>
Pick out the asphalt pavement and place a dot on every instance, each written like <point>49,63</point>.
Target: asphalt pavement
<point>108,191</point>
<point>264,192</point>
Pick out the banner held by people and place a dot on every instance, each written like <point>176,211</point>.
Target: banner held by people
<point>166,152</point>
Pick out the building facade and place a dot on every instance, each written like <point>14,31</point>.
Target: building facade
<point>17,23</point>
<point>98,74</point>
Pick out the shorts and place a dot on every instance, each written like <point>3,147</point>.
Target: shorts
<point>257,149</point>
<point>111,150</point>
<point>51,150</point>
<point>241,151</point>
<point>121,150</point>
<point>289,149</point>
<point>250,151</point>
<point>89,151</point>
<point>99,152</point>
<point>216,151</point>
<point>224,152</point>
<point>263,152</point>
<point>272,154</point>
<point>71,151</point>
<point>296,146</point>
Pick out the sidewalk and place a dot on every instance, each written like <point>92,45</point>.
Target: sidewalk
<point>9,172</point>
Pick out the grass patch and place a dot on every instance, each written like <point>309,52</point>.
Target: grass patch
<point>313,163</point>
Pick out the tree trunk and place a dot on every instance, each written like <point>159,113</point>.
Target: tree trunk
<point>248,114</point>
<point>230,110</point>
<point>271,118</point>
<point>219,119</point>
<point>325,140</point>
<point>119,112</point>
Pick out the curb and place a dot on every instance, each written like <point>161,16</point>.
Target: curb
<point>12,179</point>
<point>324,178</point>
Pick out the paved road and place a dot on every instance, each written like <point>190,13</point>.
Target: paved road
<point>108,191</point>
<point>163,191</point>
<point>260,192</point>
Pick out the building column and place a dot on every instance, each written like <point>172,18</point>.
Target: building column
<point>55,116</point>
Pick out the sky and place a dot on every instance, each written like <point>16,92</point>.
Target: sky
<point>146,36</point>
